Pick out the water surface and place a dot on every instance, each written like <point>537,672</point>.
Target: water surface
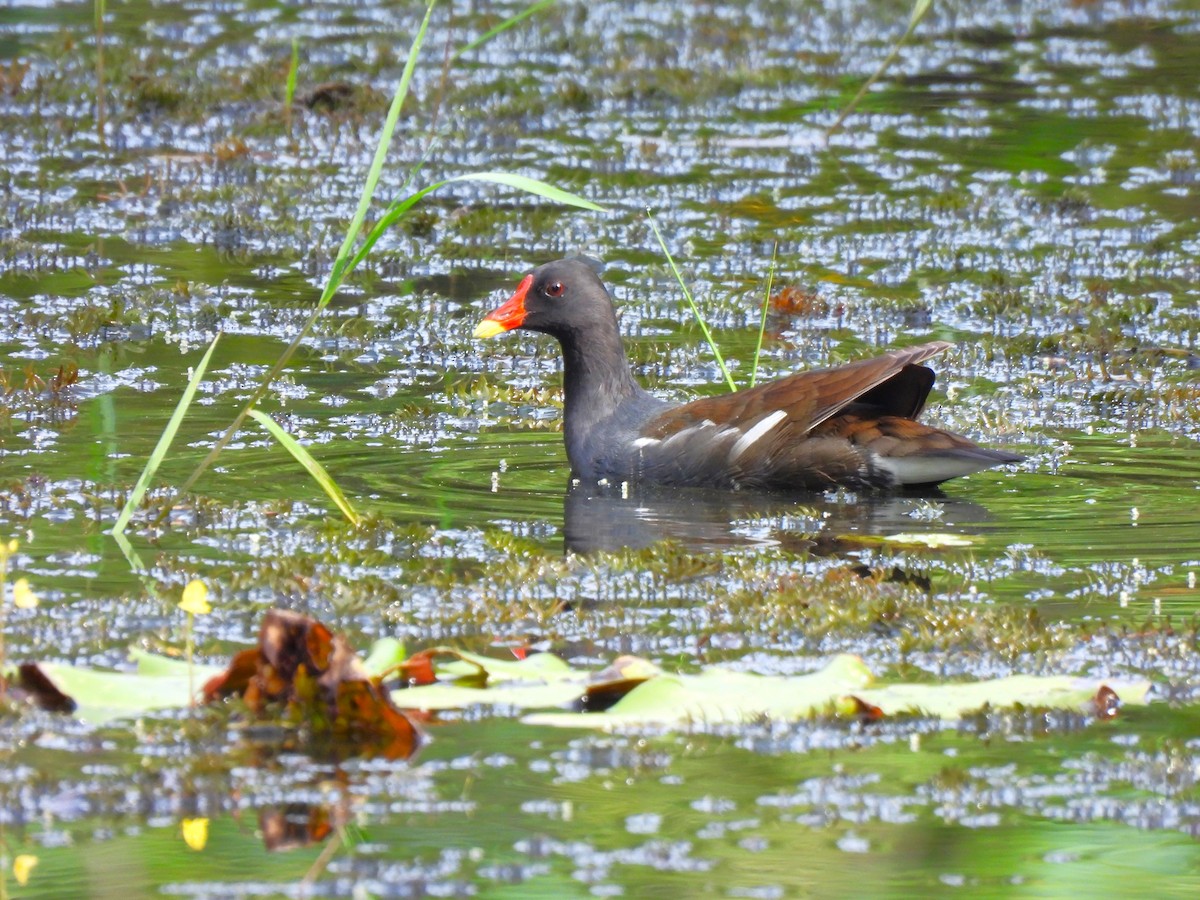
<point>1022,182</point>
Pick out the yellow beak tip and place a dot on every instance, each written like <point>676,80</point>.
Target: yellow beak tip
<point>488,328</point>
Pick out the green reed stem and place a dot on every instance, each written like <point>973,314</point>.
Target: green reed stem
<point>920,8</point>
<point>712,344</point>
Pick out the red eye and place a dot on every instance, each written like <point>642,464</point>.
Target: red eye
<point>555,289</point>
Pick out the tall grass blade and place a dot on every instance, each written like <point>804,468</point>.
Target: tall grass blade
<point>136,566</point>
<point>692,303</point>
<point>400,208</point>
<point>503,26</point>
<point>347,260</point>
<point>920,8</point>
<point>530,186</point>
<point>340,265</point>
<point>314,468</point>
<point>385,141</point>
<point>131,555</point>
<point>164,442</point>
<point>762,325</point>
<point>292,75</point>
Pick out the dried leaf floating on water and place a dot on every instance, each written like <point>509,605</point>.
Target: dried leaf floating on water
<point>320,682</point>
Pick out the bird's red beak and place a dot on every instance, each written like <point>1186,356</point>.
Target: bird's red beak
<point>507,317</point>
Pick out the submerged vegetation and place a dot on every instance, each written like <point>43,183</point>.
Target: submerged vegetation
<point>1023,187</point>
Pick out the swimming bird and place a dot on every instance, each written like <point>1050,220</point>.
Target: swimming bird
<point>853,425</point>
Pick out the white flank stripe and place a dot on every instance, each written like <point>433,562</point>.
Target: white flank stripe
<point>742,444</point>
<point>645,442</point>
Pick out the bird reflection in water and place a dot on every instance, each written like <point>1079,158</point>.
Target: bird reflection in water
<point>598,518</point>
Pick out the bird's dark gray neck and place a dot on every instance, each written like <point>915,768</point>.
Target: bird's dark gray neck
<point>596,381</point>
<point>596,376</point>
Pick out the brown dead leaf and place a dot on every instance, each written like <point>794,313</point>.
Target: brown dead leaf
<point>235,679</point>
<point>797,301</point>
<point>320,683</point>
<point>417,670</point>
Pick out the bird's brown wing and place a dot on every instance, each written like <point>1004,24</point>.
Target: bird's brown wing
<point>892,384</point>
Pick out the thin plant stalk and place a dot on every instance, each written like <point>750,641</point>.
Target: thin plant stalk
<point>194,603</point>
<point>164,442</point>
<point>450,58</point>
<point>135,562</point>
<point>314,468</point>
<point>189,648</point>
<point>321,863</point>
<point>376,170</point>
<point>762,325</point>
<point>712,344</point>
<point>136,566</point>
<point>920,8</point>
<point>6,550</point>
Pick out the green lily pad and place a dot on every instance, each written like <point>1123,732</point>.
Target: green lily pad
<point>454,696</point>
<point>719,696</point>
<point>536,667</point>
<point>539,681</point>
<point>386,653</point>
<point>544,682</point>
<point>932,540</point>
<point>102,696</point>
<point>952,701</point>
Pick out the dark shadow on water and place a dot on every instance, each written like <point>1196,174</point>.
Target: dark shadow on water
<point>601,519</point>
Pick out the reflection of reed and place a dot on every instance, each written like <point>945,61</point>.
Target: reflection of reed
<point>100,10</point>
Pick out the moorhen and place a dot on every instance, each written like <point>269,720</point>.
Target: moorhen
<point>852,425</point>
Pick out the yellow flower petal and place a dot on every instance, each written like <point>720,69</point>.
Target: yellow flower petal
<point>195,598</point>
<point>23,867</point>
<point>23,595</point>
<point>195,833</point>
